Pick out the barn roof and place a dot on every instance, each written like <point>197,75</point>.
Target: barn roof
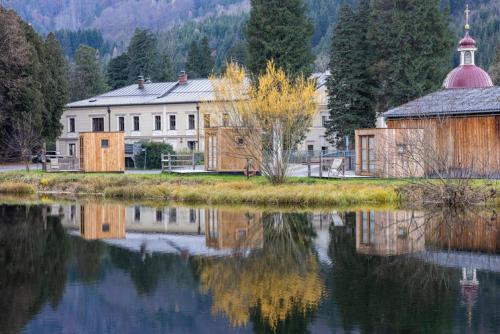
<point>467,101</point>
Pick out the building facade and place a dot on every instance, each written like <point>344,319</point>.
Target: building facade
<point>166,112</point>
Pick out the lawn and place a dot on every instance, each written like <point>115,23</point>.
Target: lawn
<point>207,189</point>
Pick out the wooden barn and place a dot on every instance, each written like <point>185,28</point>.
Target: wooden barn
<point>102,221</point>
<point>460,124</point>
<point>102,152</point>
<point>226,151</point>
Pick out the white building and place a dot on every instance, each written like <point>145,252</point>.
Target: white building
<point>166,112</point>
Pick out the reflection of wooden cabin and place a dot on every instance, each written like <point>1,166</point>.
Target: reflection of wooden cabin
<point>386,152</point>
<point>387,233</point>
<point>225,151</point>
<point>102,221</point>
<point>227,229</point>
<point>474,232</point>
<point>102,151</point>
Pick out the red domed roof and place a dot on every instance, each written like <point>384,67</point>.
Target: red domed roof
<point>467,76</point>
<point>467,41</point>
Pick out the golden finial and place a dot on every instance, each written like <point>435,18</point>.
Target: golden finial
<point>467,12</point>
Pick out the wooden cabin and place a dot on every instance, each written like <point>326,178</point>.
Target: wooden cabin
<point>102,221</point>
<point>225,151</point>
<point>102,152</point>
<point>388,152</point>
<point>460,136</point>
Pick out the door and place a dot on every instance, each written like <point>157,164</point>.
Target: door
<point>367,155</point>
<point>212,152</point>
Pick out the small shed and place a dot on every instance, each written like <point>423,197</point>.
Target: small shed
<point>102,151</point>
<point>225,151</point>
<point>389,152</point>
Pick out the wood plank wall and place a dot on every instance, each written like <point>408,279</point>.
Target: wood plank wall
<point>94,158</point>
<point>465,142</point>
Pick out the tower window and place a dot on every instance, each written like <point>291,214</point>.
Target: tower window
<point>468,58</point>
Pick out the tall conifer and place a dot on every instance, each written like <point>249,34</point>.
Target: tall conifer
<point>350,87</point>
<point>279,30</point>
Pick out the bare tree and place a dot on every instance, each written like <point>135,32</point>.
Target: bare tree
<point>23,138</point>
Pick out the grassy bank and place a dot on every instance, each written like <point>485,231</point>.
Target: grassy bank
<point>207,189</point>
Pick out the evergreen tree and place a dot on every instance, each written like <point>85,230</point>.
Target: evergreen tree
<point>167,69</point>
<point>200,62</point>
<point>412,48</point>
<point>117,72</point>
<point>279,30</point>
<point>495,67</point>
<point>86,79</point>
<point>238,53</point>
<point>56,89</point>
<point>350,87</point>
<point>206,62</point>
<point>144,56</point>
<point>193,61</point>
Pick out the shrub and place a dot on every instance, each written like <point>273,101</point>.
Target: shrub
<point>152,155</point>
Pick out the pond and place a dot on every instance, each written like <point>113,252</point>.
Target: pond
<point>111,267</point>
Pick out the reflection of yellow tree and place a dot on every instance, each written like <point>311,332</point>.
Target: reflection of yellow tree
<point>275,284</point>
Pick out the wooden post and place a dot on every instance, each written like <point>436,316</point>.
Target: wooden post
<point>321,164</point>
<point>169,163</point>
<point>44,158</point>
<point>193,158</point>
<point>308,165</point>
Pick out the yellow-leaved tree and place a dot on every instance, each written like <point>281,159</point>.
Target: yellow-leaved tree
<point>269,117</point>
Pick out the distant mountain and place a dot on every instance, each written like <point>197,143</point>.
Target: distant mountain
<point>117,19</point>
<point>181,21</point>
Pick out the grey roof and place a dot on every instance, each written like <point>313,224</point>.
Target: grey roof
<point>153,93</point>
<point>464,101</point>
<point>197,90</point>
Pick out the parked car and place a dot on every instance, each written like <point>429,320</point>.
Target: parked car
<point>48,155</point>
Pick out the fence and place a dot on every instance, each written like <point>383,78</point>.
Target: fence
<point>63,164</point>
<point>314,157</point>
<point>181,161</point>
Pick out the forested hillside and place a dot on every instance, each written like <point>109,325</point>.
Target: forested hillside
<point>222,21</point>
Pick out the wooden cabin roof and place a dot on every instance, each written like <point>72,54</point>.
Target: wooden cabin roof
<point>467,101</point>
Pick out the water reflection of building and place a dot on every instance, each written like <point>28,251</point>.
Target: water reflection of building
<point>102,221</point>
<point>227,229</point>
<point>467,232</point>
<point>388,233</point>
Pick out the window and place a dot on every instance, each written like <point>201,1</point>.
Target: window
<point>104,143</point>
<point>324,121</point>
<point>468,58</point>
<point>121,123</point>
<point>191,122</point>
<point>71,150</point>
<point>191,145</point>
<point>137,213</point>
<point>367,154</point>
<point>225,120</point>
<point>172,215</point>
<point>159,216</point>
<point>71,125</point>
<point>240,141</point>
<point>98,124</point>
<point>206,120</point>
<point>136,123</point>
<point>192,216</point>
<point>310,148</point>
<point>105,227</point>
<point>172,122</point>
<point>324,149</point>
<point>72,212</point>
<point>157,123</point>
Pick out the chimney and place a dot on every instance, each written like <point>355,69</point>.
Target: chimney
<point>140,82</point>
<point>182,78</point>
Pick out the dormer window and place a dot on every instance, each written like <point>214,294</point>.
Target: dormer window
<point>468,58</point>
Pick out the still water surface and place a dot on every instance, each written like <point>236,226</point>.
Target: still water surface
<point>99,267</point>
